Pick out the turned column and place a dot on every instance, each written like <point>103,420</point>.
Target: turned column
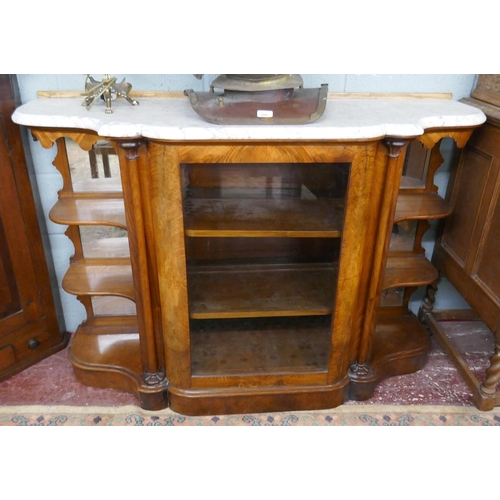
<point>485,399</point>
<point>132,168</point>
<point>360,371</point>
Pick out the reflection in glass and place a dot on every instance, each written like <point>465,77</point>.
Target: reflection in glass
<point>113,306</point>
<point>403,236</point>
<point>104,242</point>
<point>263,244</point>
<point>97,170</point>
<point>392,297</point>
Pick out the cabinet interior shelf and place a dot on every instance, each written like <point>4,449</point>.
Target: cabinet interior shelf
<point>239,291</point>
<point>245,291</point>
<point>233,217</point>
<point>270,345</point>
<point>238,347</point>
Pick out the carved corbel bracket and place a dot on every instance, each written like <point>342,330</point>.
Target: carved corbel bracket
<point>47,137</point>
<point>151,379</point>
<point>360,371</point>
<point>395,146</point>
<point>461,136</point>
<point>131,148</point>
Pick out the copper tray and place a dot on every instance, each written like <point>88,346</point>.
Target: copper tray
<point>273,107</point>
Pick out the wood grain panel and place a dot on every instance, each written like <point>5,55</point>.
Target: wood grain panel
<point>487,265</point>
<point>466,202</point>
<point>167,216</point>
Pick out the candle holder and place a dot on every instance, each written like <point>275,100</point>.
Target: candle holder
<point>107,90</point>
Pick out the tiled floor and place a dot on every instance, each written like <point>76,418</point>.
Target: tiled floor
<point>51,382</point>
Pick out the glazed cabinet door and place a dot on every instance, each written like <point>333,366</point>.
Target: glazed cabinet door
<point>261,255</point>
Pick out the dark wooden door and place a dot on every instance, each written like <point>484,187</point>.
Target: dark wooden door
<point>29,327</point>
<point>468,252</point>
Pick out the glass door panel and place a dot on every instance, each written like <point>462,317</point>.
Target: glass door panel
<point>262,248</point>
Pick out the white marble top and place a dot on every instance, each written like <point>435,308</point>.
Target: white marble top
<point>174,119</point>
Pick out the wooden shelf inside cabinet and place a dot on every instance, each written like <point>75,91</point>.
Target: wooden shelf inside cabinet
<point>233,217</point>
<point>408,270</point>
<point>421,206</point>
<point>100,277</point>
<point>89,211</point>
<point>243,291</point>
<point>260,346</point>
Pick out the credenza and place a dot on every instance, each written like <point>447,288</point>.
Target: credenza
<point>246,268</point>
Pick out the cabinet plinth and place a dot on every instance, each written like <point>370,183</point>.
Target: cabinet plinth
<point>257,263</point>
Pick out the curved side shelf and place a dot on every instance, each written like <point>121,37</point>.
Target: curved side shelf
<point>421,206</point>
<point>400,346</point>
<point>105,352</point>
<point>89,211</point>
<point>408,270</point>
<point>110,343</point>
<point>100,278</point>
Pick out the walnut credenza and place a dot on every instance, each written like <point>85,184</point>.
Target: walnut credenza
<point>256,258</point>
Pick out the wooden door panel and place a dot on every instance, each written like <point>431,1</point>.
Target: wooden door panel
<point>9,296</point>
<point>468,251</point>
<point>29,329</point>
<point>486,268</point>
<point>16,256</point>
<point>468,192</point>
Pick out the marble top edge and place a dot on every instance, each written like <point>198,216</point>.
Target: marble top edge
<point>174,119</point>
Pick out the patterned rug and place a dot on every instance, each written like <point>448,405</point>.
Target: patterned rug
<point>346,415</point>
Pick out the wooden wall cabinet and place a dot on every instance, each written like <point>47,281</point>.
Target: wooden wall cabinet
<point>29,328</point>
<point>256,267</point>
